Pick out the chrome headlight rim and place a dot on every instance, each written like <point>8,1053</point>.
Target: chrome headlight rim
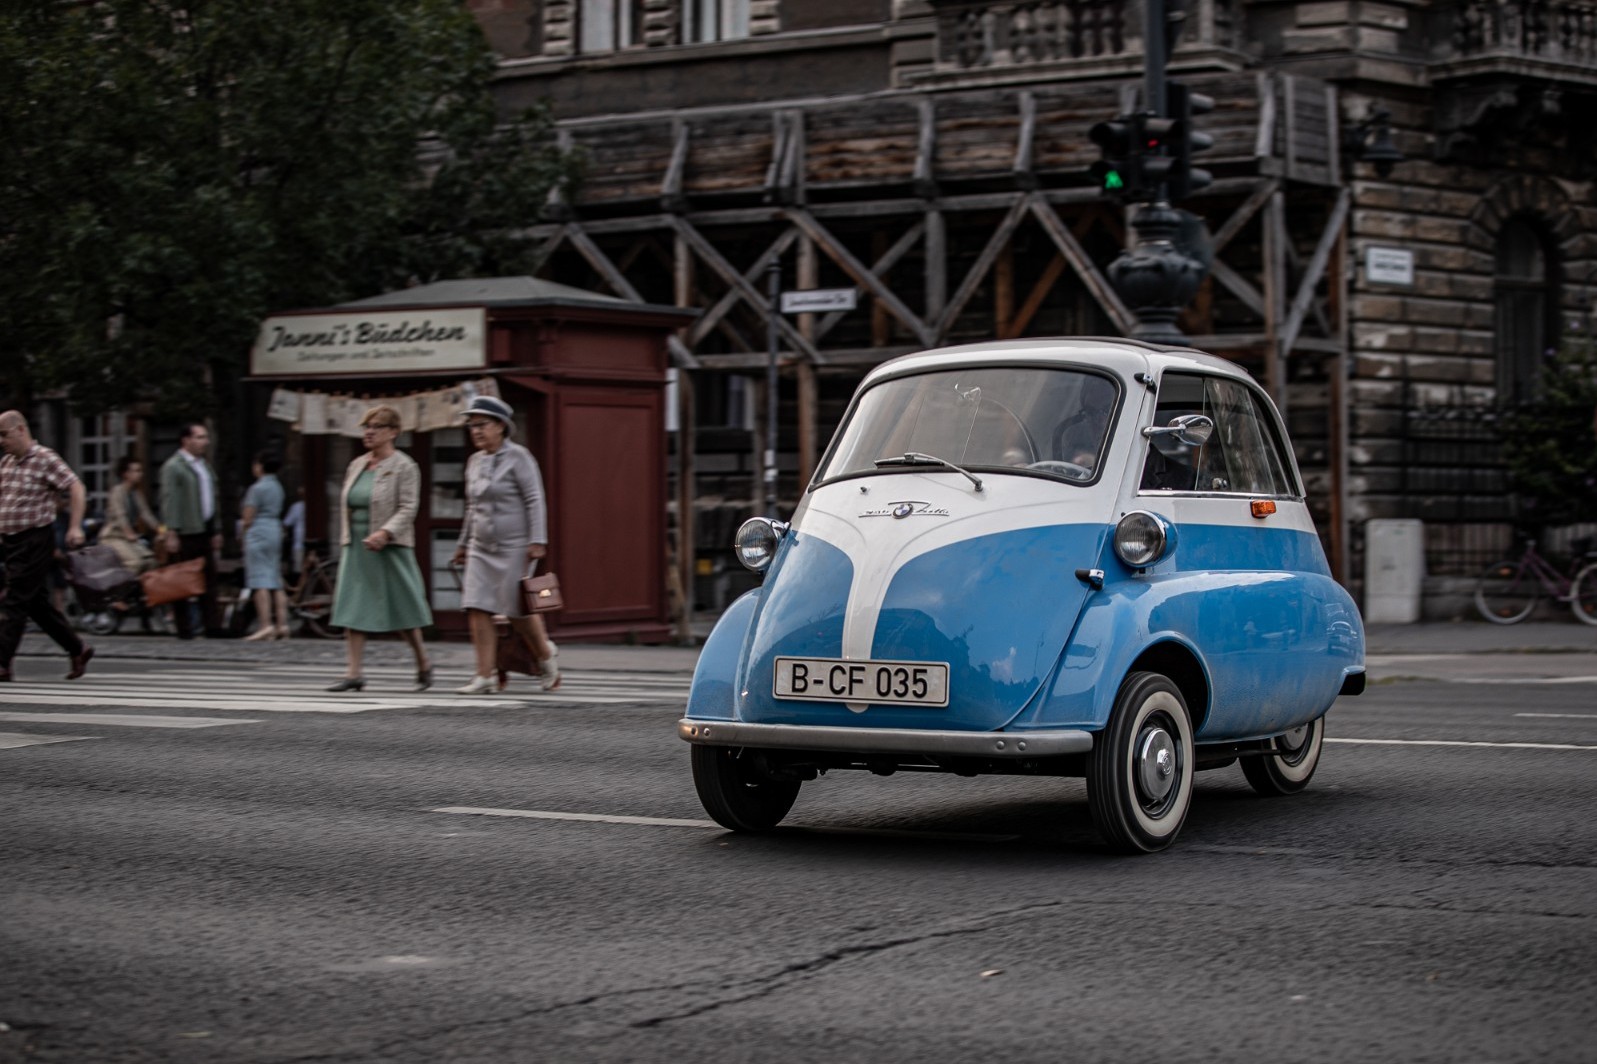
<point>756,541</point>
<point>1155,533</point>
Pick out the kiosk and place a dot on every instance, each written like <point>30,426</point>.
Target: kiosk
<point>586,375</point>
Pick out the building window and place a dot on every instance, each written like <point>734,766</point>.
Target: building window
<point>609,25</point>
<point>1525,289</point>
<point>714,20</point>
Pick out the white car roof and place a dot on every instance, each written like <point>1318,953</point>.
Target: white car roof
<point>1119,355</point>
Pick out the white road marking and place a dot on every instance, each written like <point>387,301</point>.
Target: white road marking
<point>1461,742</point>
<point>13,740</point>
<point>121,720</point>
<point>298,689</point>
<point>1561,716</point>
<point>669,822</point>
<point>1519,680</point>
<point>540,814</point>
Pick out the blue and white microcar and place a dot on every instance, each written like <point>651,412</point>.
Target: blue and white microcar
<point>1074,557</point>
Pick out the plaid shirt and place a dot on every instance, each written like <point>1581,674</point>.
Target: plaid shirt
<point>29,488</point>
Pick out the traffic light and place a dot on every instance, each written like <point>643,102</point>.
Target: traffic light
<point>1186,140</point>
<point>1118,172</point>
<point>1154,138</point>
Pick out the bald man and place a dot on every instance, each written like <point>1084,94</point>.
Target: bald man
<point>32,478</point>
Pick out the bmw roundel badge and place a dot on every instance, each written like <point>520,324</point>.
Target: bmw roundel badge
<point>903,509</point>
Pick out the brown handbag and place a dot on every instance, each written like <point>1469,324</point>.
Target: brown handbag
<point>541,594</point>
<point>173,583</point>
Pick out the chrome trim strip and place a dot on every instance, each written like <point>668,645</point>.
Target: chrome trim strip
<point>884,740</point>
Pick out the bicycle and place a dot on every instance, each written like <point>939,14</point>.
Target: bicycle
<point>1510,590</point>
<point>310,599</point>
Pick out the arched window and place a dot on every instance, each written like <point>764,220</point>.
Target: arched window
<point>1525,288</point>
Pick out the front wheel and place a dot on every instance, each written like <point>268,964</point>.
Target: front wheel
<point>736,793</point>
<point>314,605</point>
<point>1139,775</point>
<point>1583,594</point>
<point>1507,592</point>
<point>1291,762</point>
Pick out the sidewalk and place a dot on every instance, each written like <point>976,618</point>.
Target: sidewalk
<point>451,658</point>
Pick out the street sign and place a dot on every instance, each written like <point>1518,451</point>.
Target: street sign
<point>1389,266</point>
<point>819,300</point>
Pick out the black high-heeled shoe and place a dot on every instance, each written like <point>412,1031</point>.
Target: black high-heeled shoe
<point>348,683</point>
<point>424,678</point>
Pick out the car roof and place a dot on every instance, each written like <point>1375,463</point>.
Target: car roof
<point>1117,354</point>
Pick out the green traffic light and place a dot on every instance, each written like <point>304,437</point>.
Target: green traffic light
<point>1113,181</point>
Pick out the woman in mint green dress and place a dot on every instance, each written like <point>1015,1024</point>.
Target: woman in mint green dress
<point>379,584</point>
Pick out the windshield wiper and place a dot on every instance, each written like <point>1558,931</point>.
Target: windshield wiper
<point>919,458</point>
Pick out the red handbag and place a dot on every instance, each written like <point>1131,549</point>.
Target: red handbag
<point>541,594</point>
<point>174,583</point>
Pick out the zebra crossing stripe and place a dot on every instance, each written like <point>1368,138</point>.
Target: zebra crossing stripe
<point>122,720</point>
<point>13,740</point>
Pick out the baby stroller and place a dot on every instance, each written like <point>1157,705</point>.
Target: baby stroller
<point>106,592</point>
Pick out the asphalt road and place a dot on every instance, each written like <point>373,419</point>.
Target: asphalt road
<point>292,890</point>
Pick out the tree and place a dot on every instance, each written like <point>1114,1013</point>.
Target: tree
<point>1550,441</point>
<point>178,169</point>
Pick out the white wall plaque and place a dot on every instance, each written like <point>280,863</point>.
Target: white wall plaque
<point>374,341</point>
<point>1389,266</point>
<point>819,300</point>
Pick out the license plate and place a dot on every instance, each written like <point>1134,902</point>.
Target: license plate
<point>894,683</point>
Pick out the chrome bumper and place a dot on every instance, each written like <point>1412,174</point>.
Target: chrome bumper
<point>884,740</point>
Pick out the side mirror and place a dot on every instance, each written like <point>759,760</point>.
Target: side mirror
<point>1193,430</point>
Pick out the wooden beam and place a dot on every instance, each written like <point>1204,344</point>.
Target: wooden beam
<point>978,271</point>
<point>1316,267</point>
<point>1082,263</point>
<point>712,317</point>
<point>924,180</point>
<point>712,258</point>
<point>1251,297</point>
<point>880,268</point>
<point>936,257</point>
<point>1275,297</point>
<point>1264,134</point>
<point>1024,173</point>
<point>1241,216</point>
<point>809,276</point>
<point>671,197</point>
<point>1004,290</point>
<point>1034,300</point>
<point>834,250</point>
<point>617,281</point>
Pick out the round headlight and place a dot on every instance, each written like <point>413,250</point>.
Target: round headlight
<point>756,543</point>
<point>1141,538</point>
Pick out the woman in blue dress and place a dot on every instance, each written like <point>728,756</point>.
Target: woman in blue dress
<point>263,548</point>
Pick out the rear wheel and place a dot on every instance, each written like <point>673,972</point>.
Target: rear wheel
<point>736,793</point>
<point>315,604</point>
<point>1583,594</point>
<point>1507,592</point>
<point>1139,775</point>
<point>1289,766</point>
<point>101,622</point>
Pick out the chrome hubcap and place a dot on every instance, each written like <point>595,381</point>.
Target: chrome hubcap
<point>1293,741</point>
<point>1156,763</point>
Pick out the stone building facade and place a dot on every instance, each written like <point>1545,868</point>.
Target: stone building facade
<point>933,155</point>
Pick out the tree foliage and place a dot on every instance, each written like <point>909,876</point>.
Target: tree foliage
<point>1550,441</point>
<point>178,169</point>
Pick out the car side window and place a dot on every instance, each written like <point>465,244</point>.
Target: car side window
<point>1245,457</point>
<point>1242,455</point>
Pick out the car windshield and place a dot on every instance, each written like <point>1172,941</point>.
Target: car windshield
<point>1052,422</point>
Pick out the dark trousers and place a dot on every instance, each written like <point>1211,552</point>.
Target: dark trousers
<point>27,559</point>
<point>197,545</point>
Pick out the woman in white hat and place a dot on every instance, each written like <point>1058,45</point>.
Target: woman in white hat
<point>503,536</point>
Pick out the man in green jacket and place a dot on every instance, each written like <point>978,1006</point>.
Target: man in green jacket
<point>193,527</point>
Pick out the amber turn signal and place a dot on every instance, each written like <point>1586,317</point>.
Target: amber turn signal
<point>1262,507</point>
